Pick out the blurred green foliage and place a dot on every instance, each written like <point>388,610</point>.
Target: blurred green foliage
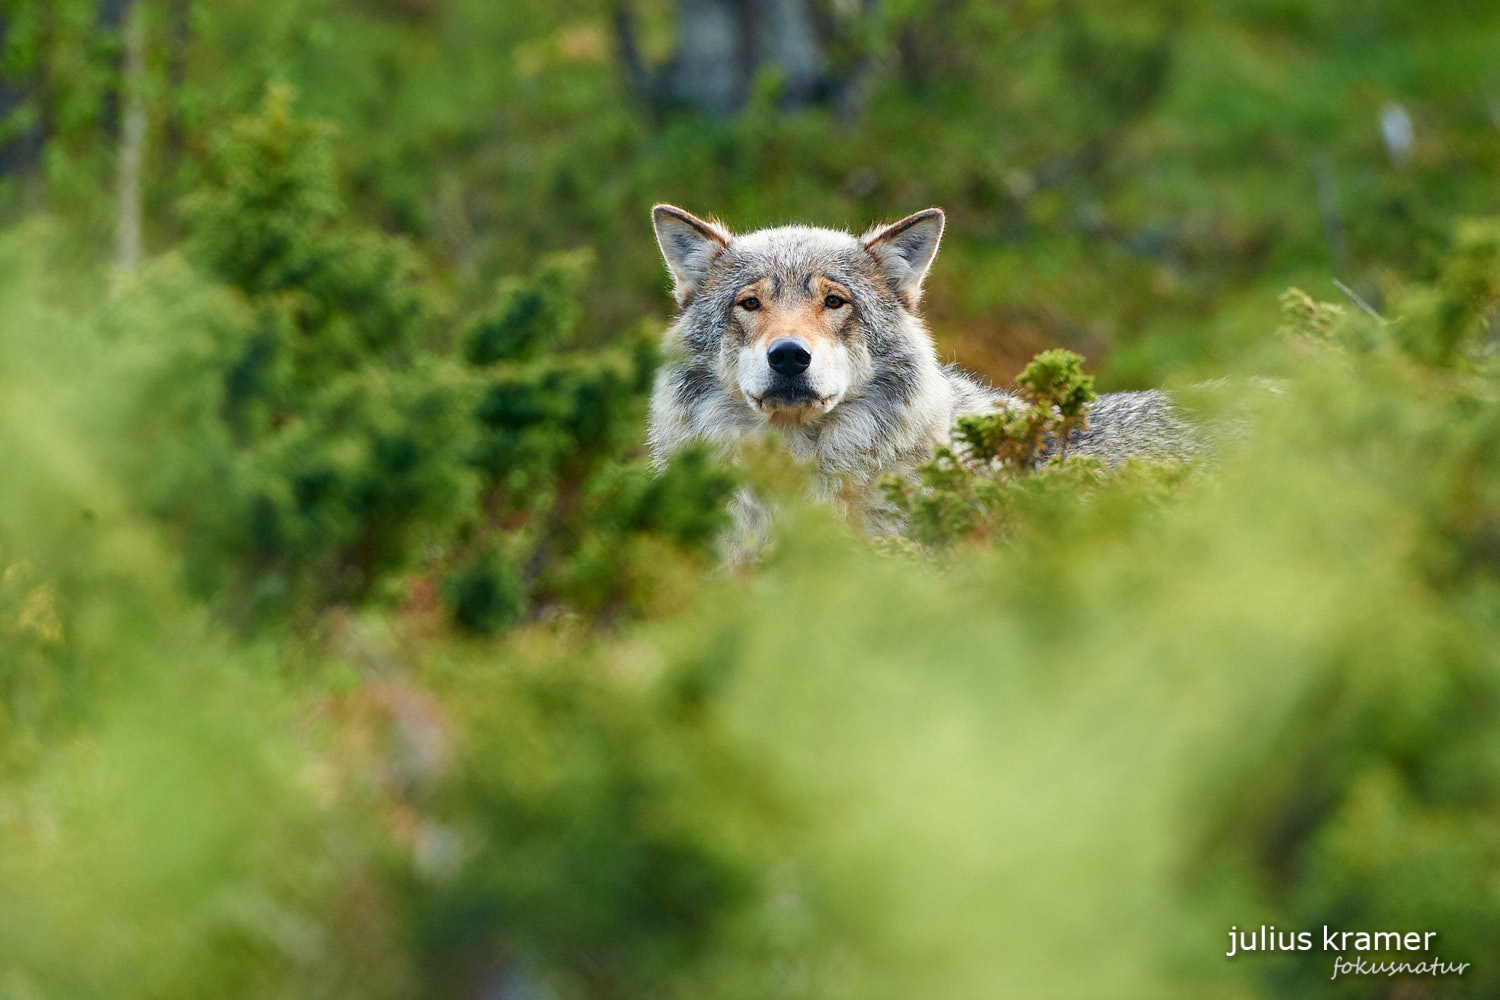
<point>348,647</point>
<point>319,440</point>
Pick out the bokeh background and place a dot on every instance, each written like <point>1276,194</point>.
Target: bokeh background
<point>348,647</point>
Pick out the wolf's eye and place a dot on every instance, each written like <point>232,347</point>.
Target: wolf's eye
<point>749,303</point>
<point>834,302</point>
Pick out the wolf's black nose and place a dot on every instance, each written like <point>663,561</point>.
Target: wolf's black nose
<point>788,356</point>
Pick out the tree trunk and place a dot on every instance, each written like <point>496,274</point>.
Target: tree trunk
<point>179,34</point>
<point>109,23</point>
<point>11,97</point>
<point>22,155</point>
<point>723,44</point>
<point>642,83</point>
<point>711,66</point>
<point>132,141</point>
<point>787,40</point>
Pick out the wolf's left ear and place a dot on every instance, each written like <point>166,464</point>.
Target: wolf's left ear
<point>690,245</point>
<point>905,250</point>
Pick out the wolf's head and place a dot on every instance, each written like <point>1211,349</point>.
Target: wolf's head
<point>797,319</point>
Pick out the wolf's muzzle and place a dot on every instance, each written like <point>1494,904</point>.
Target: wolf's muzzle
<point>788,356</point>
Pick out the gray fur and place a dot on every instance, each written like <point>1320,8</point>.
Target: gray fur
<point>892,404</point>
<point>1142,425</point>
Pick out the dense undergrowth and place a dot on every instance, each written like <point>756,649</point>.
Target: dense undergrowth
<point>324,426</point>
<point>348,648</point>
<point>1157,706</point>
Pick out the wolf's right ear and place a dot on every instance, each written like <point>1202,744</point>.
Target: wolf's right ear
<point>690,245</point>
<point>905,250</point>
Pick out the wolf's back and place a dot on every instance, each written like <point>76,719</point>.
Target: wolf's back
<point>1145,425</point>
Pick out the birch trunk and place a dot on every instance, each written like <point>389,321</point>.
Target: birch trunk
<point>132,155</point>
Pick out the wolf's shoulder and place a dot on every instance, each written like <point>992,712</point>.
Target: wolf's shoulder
<point>971,394</point>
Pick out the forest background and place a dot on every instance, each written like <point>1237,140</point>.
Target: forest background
<point>349,648</point>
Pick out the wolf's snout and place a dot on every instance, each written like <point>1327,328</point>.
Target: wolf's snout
<point>788,356</point>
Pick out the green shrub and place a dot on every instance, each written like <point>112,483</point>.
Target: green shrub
<point>485,593</point>
<point>584,817</point>
<point>965,489</point>
<point>528,315</point>
<point>318,445</point>
<point>331,445</point>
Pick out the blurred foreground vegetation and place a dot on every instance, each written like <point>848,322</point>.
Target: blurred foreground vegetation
<point>348,648</point>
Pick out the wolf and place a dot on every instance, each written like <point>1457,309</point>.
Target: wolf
<point>814,335</point>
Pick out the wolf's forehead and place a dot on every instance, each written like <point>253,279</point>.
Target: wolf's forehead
<point>794,252</point>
